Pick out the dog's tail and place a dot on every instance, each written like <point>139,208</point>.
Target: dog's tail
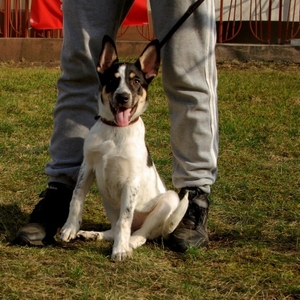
<point>174,219</point>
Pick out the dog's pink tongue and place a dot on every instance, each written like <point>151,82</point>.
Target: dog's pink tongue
<point>122,117</point>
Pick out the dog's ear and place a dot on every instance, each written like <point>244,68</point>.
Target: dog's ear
<point>108,54</point>
<point>149,60</point>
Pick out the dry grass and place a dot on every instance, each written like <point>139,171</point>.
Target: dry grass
<point>255,212</point>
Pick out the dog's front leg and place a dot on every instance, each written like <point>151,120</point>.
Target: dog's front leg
<point>84,182</point>
<point>121,247</point>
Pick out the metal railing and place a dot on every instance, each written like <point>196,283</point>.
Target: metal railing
<point>265,21</point>
<point>231,26</point>
<point>14,21</point>
<point>287,14</point>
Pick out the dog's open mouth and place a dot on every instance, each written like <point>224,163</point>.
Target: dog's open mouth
<point>123,115</point>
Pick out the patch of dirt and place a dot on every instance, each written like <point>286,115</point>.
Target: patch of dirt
<point>29,64</point>
<point>257,65</point>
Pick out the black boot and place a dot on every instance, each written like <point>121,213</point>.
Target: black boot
<point>192,230</point>
<point>49,214</point>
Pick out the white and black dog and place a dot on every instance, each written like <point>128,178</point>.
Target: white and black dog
<point>135,199</point>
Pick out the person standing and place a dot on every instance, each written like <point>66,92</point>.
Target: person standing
<point>190,83</point>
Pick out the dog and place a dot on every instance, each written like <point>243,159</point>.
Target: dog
<point>136,201</point>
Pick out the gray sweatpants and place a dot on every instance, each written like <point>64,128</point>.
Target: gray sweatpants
<point>189,80</point>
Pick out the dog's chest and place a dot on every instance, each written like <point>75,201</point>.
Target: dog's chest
<point>119,157</point>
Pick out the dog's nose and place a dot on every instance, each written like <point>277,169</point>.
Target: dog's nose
<point>122,97</point>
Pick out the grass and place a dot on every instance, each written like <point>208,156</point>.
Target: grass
<point>254,224</point>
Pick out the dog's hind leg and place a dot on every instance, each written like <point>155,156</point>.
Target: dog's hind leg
<point>154,223</point>
<point>107,235</point>
<point>175,218</point>
<point>84,182</point>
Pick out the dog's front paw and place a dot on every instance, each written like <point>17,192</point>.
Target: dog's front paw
<point>68,232</point>
<point>120,256</point>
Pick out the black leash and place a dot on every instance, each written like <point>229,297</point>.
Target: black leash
<point>189,11</point>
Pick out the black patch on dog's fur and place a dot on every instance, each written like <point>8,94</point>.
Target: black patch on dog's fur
<point>108,78</point>
<point>149,159</point>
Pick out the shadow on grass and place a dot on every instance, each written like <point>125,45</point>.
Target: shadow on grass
<point>11,219</point>
<point>231,238</point>
<point>100,247</point>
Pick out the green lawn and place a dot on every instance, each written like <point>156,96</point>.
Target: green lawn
<point>254,221</point>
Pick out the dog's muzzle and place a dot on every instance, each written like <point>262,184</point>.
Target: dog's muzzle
<point>123,112</point>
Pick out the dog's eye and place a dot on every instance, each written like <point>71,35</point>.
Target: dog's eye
<point>136,81</point>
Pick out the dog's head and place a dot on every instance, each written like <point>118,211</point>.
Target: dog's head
<point>124,85</point>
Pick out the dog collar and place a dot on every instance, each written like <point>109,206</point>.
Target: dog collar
<point>112,123</point>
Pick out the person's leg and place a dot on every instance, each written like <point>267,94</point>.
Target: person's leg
<point>85,24</point>
<point>190,82</point>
